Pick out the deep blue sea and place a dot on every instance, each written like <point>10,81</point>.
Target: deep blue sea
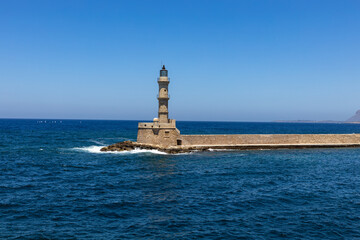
<point>55,184</point>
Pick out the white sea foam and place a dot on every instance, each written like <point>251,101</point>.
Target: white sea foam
<point>96,149</point>
<point>138,150</point>
<point>220,150</point>
<point>96,141</point>
<point>90,149</point>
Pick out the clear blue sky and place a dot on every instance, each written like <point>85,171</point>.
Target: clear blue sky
<point>228,60</point>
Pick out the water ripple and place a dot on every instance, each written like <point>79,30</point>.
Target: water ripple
<point>66,191</point>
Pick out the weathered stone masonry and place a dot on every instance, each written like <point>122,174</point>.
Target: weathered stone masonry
<point>162,131</point>
<point>264,139</point>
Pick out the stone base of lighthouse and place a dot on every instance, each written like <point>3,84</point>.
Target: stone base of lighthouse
<point>159,133</point>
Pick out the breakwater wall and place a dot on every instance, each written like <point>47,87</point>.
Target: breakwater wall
<point>270,139</point>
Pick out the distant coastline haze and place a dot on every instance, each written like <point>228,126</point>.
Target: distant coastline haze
<point>355,118</point>
<point>229,60</point>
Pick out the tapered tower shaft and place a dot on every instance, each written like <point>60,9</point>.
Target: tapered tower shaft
<point>163,96</point>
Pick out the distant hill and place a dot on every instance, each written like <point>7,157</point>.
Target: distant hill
<point>355,118</point>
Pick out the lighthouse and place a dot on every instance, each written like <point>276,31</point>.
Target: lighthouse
<point>162,131</point>
<point>163,96</point>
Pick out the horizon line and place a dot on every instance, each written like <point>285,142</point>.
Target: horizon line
<point>138,120</point>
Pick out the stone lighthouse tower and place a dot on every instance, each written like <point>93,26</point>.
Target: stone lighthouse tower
<point>162,131</point>
<point>163,96</point>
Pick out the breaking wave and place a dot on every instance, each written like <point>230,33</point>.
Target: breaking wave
<point>96,149</point>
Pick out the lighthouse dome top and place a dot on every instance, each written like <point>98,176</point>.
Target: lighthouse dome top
<point>163,72</point>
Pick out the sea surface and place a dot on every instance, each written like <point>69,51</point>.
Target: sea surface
<point>56,184</point>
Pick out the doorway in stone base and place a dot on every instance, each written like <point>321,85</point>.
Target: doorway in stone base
<point>179,142</point>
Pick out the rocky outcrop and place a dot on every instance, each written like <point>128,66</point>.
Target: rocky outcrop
<point>120,146</point>
<point>355,118</point>
<point>129,145</point>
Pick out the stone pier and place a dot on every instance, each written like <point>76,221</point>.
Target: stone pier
<point>162,134</point>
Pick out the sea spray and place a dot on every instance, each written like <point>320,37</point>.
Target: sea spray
<point>97,149</point>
